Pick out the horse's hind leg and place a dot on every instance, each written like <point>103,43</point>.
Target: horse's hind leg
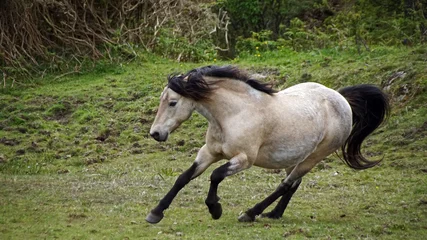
<point>250,214</point>
<point>285,188</point>
<point>280,208</point>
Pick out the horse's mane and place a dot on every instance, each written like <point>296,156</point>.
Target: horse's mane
<point>193,85</point>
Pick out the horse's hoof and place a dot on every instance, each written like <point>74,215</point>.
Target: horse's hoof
<point>216,211</point>
<point>246,218</point>
<point>154,218</point>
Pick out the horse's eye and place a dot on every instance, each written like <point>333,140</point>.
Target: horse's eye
<point>172,104</point>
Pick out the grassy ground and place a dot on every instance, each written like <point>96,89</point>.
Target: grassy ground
<point>76,161</point>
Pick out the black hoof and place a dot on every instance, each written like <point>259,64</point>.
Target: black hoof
<point>270,215</point>
<point>246,218</point>
<point>154,218</point>
<point>215,210</point>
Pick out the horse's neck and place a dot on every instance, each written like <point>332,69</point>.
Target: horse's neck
<point>217,108</point>
<point>226,102</point>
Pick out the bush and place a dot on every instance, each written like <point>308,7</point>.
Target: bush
<point>331,23</point>
<point>45,36</point>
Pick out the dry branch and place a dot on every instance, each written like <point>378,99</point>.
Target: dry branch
<point>40,32</point>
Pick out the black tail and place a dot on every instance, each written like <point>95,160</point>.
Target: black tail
<point>370,107</point>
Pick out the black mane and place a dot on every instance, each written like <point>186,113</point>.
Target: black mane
<point>193,85</point>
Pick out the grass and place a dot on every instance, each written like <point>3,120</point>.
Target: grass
<point>76,161</point>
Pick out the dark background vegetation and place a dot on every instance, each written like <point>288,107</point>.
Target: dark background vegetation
<point>69,36</point>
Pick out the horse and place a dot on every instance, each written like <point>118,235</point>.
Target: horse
<point>252,124</point>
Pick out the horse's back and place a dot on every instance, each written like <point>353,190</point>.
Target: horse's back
<point>316,95</point>
<point>307,89</point>
<point>327,104</point>
<point>303,86</point>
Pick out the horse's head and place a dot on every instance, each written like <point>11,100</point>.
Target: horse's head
<point>173,110</point>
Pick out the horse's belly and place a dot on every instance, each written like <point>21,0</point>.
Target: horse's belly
<point>281,158</point>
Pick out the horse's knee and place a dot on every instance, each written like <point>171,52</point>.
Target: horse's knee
<point>284,187</point>
<point>287,185</point>
<point>296,183</point>
<point>237,164</point>
<point>219,174</point>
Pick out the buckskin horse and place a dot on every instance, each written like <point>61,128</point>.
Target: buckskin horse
<point>251,124</point>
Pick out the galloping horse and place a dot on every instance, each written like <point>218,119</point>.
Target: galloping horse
<point>252,124</point>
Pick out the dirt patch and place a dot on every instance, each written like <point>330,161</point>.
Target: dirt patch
<point>9,141</point>
<point>265,71</point>
<point>401,86</point>
<point>137,151</point>
<point>60,112</point>
<point>93,160</point>
<point>271,75</point>
<point>298,231</point>
<point>76,216</point>
<point>2,159</point>
<point>416,132</point>
<point>103,135</point>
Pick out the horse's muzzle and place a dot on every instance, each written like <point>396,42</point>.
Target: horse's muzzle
<point>159,137</point>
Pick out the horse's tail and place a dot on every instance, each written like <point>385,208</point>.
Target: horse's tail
<point>370,107</point>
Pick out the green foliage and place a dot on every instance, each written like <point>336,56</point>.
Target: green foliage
<point>171,45</point>
<point>168,172</point>
<point>327,24</point>
<point>256,16</point>
<point>244,13</point>
<point>258,42</point>
<point>383,22</point>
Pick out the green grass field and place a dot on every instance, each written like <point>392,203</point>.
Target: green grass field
<point>77,162</point>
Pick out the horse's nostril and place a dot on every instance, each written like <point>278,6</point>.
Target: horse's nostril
<point>155,135</point>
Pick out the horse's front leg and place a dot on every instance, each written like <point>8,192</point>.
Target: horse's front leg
<point>236,164</point>
<point>203,160</point>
